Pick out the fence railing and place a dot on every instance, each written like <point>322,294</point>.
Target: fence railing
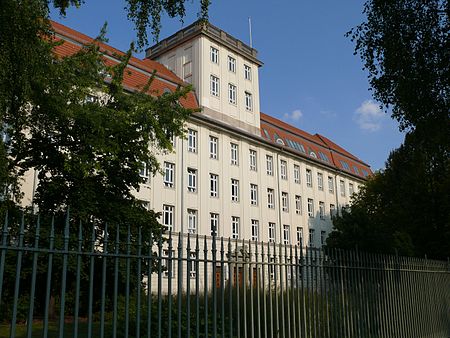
<point>73,280</point>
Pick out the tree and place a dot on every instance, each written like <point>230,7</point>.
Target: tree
<point>405,47</point>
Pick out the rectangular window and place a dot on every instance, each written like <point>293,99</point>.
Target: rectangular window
<point>213,145</point>
<point>248,101</point>
<point>332,210</point>
<point>192,180</point>
<point>234,190</point>
<point>271,232</point>
<point>167,262</point>
<point>169,172</point>
<point>298,205</point>
<point>311,237</point>
<point>193,264</point>
<point>192,141</point>
<point>322,210</point>
<point>320,181</point>
<point>235,224</point>
<point>231,93</point>
<point>168,213</point>
<point>255,230</point>
<point>342,187</point>
<point>214,222</point>
<point>214,52</point>
<point>299,236</point>
<point>308,178</point>
<point>234,154</point>
<point>269,165</point>
<point>330,185</point>
<point>247,72</point>
<point>283,169</point>
<point>286,233</point>
<point>323,236</point>
<point>231,64</point>
<point>296,173</point>
<point>214,85</point>
<point>351,190</point>
<point>270,198</point>
<point>284,201</point>
<point>213,185</point>
<point>253,194</point>
<point>253,159</point>
<point>192,221</point>
<point>144,173</point>
<point>310,207</point>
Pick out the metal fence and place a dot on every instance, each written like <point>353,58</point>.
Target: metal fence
<point>72,280</point>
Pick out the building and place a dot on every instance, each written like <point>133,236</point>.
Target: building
<point>239,173</point>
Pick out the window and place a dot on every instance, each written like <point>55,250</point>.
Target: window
<point>342,187</point>
<point>192,180</point>
<point>169,169</point>
<point>213,185</point>
<point>168,216</point>
<point>214,53</point>
<point>284,201</point>
<point>351,189</point>
<point>171,63</point>
<point>322,210</point>
<point>310,207</point>
<point>323,235</point>
<point>235,222</point>
<point>283,170</point>
<point>234,190</point>
<point>192,221</point>
<point>296,173</point>
<point>213,144</point>
<point>248,101</point>
<point>308,178</point>
<point>286,239</point>
<point>270,199</point>
<point>255,230</point>
<point>320,181</point>
<point>253,194</point>
<point>231,93</point>
<point>214,85</point>
<point>298,205</point>
<point>300,236</point>
<point>144,172</point>
<point>214,222</point>
<point>193,264</point>
<point>166,262</point>
<point>247,72</point>
<point>253,160</point>
<point>271,232</point>
<point>192,141</point>
<point>330,185</point>
<point>231,64</point>
<point>311,237</point>
<point>234,154</point>
<point>269,165</point>
<point>332,210</point>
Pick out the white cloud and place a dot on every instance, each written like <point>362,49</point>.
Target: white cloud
<point>369,116</point>
<point>295,116</point>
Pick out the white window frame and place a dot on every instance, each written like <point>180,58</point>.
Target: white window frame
<point>213,185</point>
<point>169,174</point>
<point>309,178</point>
<point>234,150</point>
<point>296,173</point>
<point>332,210</point>
<point>286,234</point>
<point>234,190</point>
<point>247,72</point>
<point>323,235</point>
<point>351,189</point>
<point>342,187</point>
<point>214,55</point>
<point>285,201</point>
<point>192,140</point>
<point>269,165</point>
<point>299,236</point>
<point>283,169</point>
<point>248,101</point>
<point>271,232</point>
<point>144,172</point>
<point>168,216</point>
<point>213,147</point>
<point>311,238</point>
<point>192,180</point>
<point>232,93</point>
<point>255,230</point>
<point>193,262</point>
<point>214,87</point>
<point>298,204</point>
<point>321,210</point>
<point>253,160</point>
<point>270,198</point>
<point>231,64</point>
<point>192,221</point>
<point>253,194</point>
<point>320,181</point>
<point>214,223</point>
<point>166,261</point>
<point>310,207</point>
<point>330,185</point>
<point>235,227</point>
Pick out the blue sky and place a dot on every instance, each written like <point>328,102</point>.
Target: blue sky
<point>310,77</point>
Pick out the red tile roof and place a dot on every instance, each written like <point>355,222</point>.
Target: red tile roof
<point>138,71</point>
<point>315,147</point>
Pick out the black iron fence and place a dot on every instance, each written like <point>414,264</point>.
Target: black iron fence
<point>72,280</point>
